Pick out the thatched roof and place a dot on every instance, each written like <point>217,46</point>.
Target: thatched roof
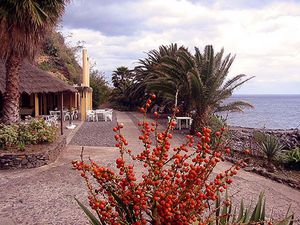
<point>35,80</point>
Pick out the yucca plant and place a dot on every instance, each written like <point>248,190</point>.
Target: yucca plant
<point>271,146</point>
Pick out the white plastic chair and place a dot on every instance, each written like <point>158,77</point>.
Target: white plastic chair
<point>91,116</point>
<point>108,115</point>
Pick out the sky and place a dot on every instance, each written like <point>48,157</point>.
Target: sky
<point>263,34</point>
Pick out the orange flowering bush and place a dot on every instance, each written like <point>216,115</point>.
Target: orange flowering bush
<point>177,185</point>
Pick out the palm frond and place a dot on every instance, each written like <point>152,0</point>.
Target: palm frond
<point>236,106</point>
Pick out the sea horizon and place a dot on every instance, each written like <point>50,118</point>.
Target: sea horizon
<point>271,111</point>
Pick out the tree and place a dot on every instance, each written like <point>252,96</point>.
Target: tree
<point>152,78</point>
<point>207,75</point>
<point>101,90</point>
<point>199,80</point>
<point>23,26</point>
<point>123,80</point>
<point>122,76</point>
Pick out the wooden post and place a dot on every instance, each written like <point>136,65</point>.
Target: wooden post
<point>45,104</point>
<point>62,114</point>
<point>36,105</point>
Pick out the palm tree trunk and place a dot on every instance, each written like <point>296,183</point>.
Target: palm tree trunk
<point>200,120</point>
<point>11,105</point>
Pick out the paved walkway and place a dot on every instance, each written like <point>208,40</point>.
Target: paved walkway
<point>45,195</point>
<point>95,134</point>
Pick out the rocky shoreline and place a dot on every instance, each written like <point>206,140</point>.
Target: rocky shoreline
<point>244,137</point>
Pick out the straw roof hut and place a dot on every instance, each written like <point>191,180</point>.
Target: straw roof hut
<point>34,80</point>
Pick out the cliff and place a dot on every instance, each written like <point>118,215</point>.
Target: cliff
<point>59,59</point>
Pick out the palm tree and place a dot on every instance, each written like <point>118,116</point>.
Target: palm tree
<point>152,78</point>
<point>209,88</point>
<point>123,81</point>
<point>121,76</point>
<point>199,80</point>
<point>23,26</point>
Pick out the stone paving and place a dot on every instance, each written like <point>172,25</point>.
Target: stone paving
<point>45,195</point>
<point>95,133</point>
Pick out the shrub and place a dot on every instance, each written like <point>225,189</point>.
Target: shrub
<point>176,186</point>
<point>25,136</point>
<point>8,135</point>
<point>269,145</point>
<point>20,135</point>
<point>291,158</point>
<point>42,131</point>
<point>216,122</point>
<point>259,136</point>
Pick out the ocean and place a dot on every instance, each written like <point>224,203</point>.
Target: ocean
<point>270,111</point>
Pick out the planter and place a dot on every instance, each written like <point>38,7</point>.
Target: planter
<point>22,160</point>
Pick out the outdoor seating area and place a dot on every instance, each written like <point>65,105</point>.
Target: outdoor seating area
<point>99,115</point>
<point>182,122</point>
<point>67,115</point>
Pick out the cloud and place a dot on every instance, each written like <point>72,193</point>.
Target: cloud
<point>262,34</point>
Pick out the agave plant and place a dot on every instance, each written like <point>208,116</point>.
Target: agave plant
<point>225,214</point>
<point>246,215</point>
<point>270,146</point>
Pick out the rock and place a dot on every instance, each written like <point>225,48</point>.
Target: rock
<point>24,161</point>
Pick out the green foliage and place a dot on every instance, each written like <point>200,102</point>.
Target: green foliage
<point>268,144</point>
<point>45,66</point>
<point>224,213</point>
<point>122,96</point>
<point>216,123</point>
<point>101,90</point>
<point>20,135</point>
<point>292,155</point>
<point>24,25</point>
<point>291,158</point>
<point>93,220</point>
<point>42,131</point>
<point>61,58</point>
<point>8,135</point>
<point>197,80</point>
<point>259,136</point>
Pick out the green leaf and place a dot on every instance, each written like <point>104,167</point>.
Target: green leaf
<point>233,220</point>
<point>241,213</point>
<point>287,221</point>
<point>224,211</point>
<point>256,215</point>
<point>93,220</point>
<point>263,213</point>
<point>129,216</point>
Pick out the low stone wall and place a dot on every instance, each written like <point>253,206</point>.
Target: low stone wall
<point>263,172</point>
<point>23,160</point>
<point>242,137</point>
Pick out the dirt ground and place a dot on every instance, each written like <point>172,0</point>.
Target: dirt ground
<point>45,195</point>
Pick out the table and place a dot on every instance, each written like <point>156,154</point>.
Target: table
<point>105,114</point>
<point>188,121</point>
<point>57,113</point>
